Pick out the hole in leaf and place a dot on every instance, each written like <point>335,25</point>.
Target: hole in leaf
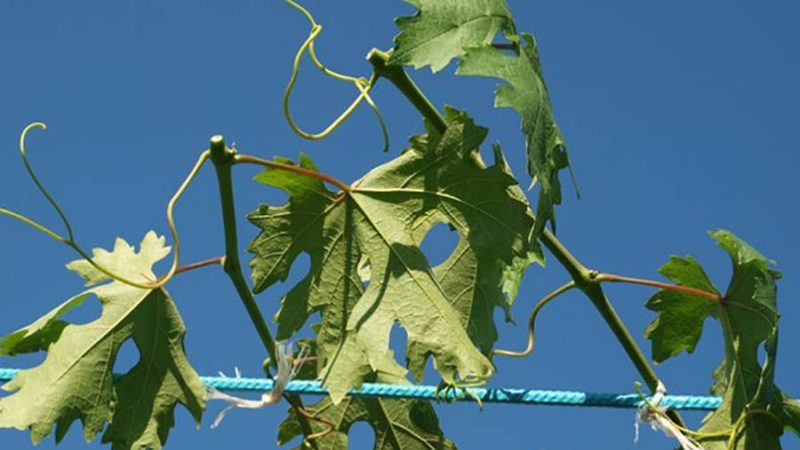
<point>431,376</point>
<point>439,243</point>
<point>398,338</point>
<point>312,326</point>
<point>290,323</point>
<point>501,43</point>
<point>30,341</point>
<point>299,270</point>
<point>83,313</point>
<point>127,357</point>
<point>361,436</point>
<point>762,355</point>
<point>364,271</point>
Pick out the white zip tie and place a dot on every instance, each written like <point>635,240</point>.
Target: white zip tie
<point>657,419</point>
<point>286,372</point>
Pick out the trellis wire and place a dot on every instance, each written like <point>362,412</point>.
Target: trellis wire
<point>486,395</point>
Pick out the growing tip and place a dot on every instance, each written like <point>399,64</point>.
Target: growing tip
<point>220,154</point>
<point>25,131</point>
<point>41,125</point>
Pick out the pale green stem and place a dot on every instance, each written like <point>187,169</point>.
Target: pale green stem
<point>224,159</point>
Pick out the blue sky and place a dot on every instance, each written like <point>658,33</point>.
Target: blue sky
<point>680,116</point>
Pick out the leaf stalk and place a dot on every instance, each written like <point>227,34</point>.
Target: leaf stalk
<point>219,260</point>
<point>247,159</point>
<point>611,278</point>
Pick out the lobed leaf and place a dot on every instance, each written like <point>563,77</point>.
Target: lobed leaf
<point>681,316</point>
<point>527,94</point>
<point>754,411</point>
<point>446,29</point>
<point>75,381</point>
<point>399,424</point>
<point>445,310</point>
<point>443,29</point>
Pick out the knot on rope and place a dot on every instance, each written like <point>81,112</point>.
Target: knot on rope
<point>287,370</point>
<point>655,416</point>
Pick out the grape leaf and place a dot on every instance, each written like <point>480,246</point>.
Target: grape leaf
<point>443,29</point>
<point>749,317</point>
<point>791,414</point>
<point>399,424</point>
<point>75,381</point>
<point>681,316</point>
<point>40,334</point>
<point>446,29</point>
<point>527,93</point>
<point>383,219</point>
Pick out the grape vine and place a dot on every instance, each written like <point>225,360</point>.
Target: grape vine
<point>368,273</point>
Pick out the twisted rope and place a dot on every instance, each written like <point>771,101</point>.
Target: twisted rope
<point>486,395</point>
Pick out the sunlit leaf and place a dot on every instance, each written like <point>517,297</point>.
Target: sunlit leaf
<point>443,29</point>
<point>445,310</point>
<point>527,94</point>
<point>446,29</point>
<point>75,381</point>
<point>398,424</point>
<point>754,411</point>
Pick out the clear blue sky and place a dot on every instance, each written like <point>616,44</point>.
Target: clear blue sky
<point>681,117</point>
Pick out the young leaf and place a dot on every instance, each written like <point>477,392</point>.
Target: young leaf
<point>75,382</point>
<point>527,93</point>
<point>681,316</point>
<point>446,310</point>
<point>398,424</point>
<point>443,29</point>
<point>753,410</point>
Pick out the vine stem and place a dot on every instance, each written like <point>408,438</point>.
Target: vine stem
<point>583,277</point>
<point>223,159</point>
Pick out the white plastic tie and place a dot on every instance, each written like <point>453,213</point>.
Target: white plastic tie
<point>657,419</point>
<point>287,370</point>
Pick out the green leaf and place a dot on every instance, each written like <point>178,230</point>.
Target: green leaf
<point>749,317</point>
<point>681,316</point>
<point>527,94</point>
<point>75,381</point>
<point>123,261</point>
<point>398,424</point>
<point>40,334</point>
<point>791,414</point>
<point>445,310</point>
<point>444,29</point>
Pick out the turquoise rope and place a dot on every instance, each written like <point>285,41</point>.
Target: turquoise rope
<point>486,395</point>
